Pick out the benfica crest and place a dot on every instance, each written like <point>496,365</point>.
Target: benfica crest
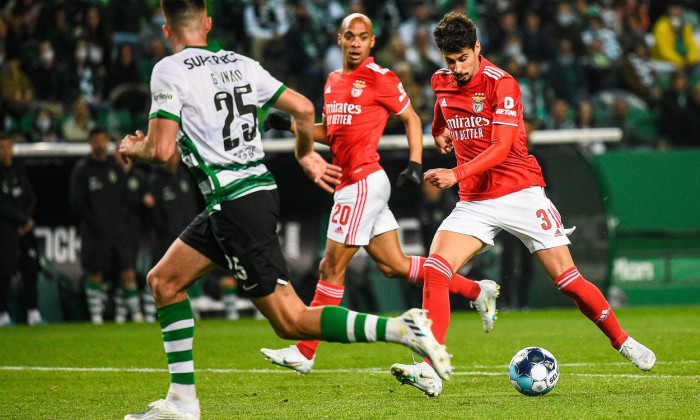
<point>358,85</point>
<point>477,105</point>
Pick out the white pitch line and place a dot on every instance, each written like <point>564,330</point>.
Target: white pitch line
<point>359,370</point>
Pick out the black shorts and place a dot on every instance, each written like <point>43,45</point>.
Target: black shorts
<point>100,255</point>
<point>242,237</point>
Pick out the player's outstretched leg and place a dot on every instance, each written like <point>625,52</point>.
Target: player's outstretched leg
<point>420,375</point>
<point>591,302</point>
<point>411,329</point>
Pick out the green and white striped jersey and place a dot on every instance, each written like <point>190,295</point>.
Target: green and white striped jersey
<point>214,95</point>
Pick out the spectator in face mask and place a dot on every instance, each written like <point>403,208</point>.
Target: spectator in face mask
<point>42,129</point>
<point>49,78</point>
<point>674,41</point>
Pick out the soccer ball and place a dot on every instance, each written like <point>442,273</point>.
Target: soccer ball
<point>533,371</point>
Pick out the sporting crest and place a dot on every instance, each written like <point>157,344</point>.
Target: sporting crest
<point>478,105</point>
<point>357,88</point>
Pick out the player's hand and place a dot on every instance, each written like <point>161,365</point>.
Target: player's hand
<point>441,177</point>
<point>410,177</point>
<point>128,143</point>
<point>443,142</point>
<point>278,122</point>
<point>324,174</point>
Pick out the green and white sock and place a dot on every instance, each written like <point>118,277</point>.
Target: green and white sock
<point>93,293</point>
<point>342,325</point>
<point>177,323</point>
<point>149,305</point>
<point>131,299</point>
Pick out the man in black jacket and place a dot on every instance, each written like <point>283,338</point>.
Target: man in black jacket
<point>98,197</point>
<point>18,248</point>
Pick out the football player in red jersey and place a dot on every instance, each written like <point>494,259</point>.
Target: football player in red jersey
<point>478,114</point>
<point>357,102</point>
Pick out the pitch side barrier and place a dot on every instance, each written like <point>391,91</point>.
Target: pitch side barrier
<point>574,183</point>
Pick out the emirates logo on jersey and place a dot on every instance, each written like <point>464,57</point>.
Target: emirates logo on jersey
<point>357,88</point>
<point>478,105</point>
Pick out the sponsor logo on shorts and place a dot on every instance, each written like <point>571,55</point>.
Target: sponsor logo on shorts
<point>338,230</point>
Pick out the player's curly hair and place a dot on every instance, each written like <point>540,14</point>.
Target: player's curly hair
<point>454,33</point>
<point>177,12</point>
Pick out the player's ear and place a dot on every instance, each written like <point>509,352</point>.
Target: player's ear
<point>340,39</point>
<point>371,44</point>
<point>477,47</point>
<point>207,24</point>
<point>166,31</point>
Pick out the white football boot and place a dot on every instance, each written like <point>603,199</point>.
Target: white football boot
<point>420,339</point>
<point>5,320</point>
<point>167,410</point>
<point>419,375</point>
<point>34,317</point>
<point>289,357</point>
<point>637,353</point>
<point>485,303</point>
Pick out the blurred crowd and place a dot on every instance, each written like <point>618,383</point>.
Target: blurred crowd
<point>66,66</point>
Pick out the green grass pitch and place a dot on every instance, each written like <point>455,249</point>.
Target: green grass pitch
<point>81,371</point>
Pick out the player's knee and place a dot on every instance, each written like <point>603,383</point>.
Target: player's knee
<point>162,288</point>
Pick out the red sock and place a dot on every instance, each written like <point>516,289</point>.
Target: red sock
<point>436,294</point>
<point>326,294</point>
<point>592,303</point>
<point>459,285</point>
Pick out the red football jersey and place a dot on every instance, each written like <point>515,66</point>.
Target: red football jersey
<point>491,97</point>
<point>356,107</point>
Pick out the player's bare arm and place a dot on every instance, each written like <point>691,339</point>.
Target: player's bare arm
<point>279,122</point>
<point>320,133</point>
<point>324,174</point>
<point>411,176</point>
<point>156,147</point>
<point>414,133</point>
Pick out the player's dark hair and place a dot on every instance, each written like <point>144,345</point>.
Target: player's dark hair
<point>177,12</point>
<point>98,129</point>
<point>454,33</point>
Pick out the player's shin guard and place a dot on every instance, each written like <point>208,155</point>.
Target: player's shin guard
<point>592,303</point>
<point>436,295</point>
<point>177,324</point>
<point>326,295</point>
<point>459,285</point>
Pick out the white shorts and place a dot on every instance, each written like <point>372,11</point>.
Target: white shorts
<point>527,214</point>
<point>361,211</point>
